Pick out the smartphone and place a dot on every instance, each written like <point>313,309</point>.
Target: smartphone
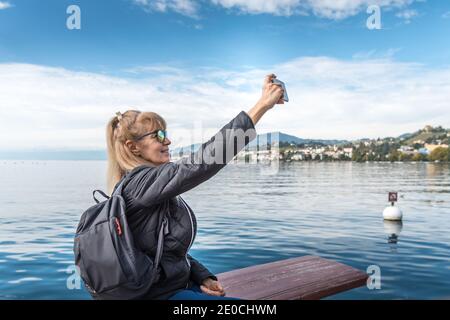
<point>281,83</point>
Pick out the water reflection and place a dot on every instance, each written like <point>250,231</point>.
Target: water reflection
<point>393,230</point>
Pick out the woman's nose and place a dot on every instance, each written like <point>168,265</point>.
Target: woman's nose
<point>167,141</point>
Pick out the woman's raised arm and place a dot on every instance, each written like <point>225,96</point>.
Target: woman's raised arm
<point>156,184</point>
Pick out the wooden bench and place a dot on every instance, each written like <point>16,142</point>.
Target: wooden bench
<point>307,277</point>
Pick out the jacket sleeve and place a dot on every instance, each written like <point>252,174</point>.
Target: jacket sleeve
<point>199,271</point>
<point>156,184</point>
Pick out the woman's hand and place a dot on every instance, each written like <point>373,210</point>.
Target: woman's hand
<point>212,287</point>
<point>271,93</point>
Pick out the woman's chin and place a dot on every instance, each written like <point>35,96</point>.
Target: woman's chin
<point>165,158</point>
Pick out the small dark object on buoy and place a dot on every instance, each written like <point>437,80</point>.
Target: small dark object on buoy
<point>392,212</point>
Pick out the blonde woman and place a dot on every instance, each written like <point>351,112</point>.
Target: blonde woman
<point>138,145</point>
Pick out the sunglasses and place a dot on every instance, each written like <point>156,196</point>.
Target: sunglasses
<point>160,135</point>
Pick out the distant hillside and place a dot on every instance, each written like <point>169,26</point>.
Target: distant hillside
<point>54,155</point>
<point>296,140</point>
<point>186,149</point>
<point>428,134</point>
<point>270,137</point>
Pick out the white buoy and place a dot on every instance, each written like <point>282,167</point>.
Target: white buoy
<point>392,212</point>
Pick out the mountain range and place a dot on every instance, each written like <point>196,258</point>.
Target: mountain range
<point>270,137</point>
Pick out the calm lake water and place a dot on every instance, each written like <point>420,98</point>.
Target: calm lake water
<point>245,217</point>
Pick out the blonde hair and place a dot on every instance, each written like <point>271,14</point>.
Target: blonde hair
<point>127,126</point>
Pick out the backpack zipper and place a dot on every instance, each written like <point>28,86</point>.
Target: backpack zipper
<point>192,234</point>
<point>130,263</point>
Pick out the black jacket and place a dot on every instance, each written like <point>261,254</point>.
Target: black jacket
<point>158,190</point>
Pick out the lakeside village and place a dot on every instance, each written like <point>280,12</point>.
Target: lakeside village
<point>427,144</point>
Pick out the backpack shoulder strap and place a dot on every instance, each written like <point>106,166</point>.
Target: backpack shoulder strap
<point>126,178</point>
<point>102,193</point>
<point>119,186</point>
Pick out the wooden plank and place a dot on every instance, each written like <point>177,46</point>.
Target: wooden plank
<point>308,277</point>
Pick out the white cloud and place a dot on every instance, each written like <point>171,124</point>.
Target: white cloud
<point>407,15</point>
<point>276,7</point>
<point>376,54</point>
<point>185,7</point>
<point>4,5</point>
<point>54,108</point>
<point>341,9</point>
<point>331,9</point>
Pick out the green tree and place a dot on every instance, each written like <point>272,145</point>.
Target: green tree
<point>394,156</point>
<point>371,157</point>
<point>405,157</point>
<point>385,149</point>
<point>357,156</point>
<point>419,157</point>
<point>440,154</point>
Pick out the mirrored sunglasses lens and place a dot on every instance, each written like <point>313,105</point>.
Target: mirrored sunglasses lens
<point>161,135</point>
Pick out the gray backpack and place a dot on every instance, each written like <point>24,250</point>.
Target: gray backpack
<point>110,264</point>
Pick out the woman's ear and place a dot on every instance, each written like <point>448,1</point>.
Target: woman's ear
<point>133,147</point>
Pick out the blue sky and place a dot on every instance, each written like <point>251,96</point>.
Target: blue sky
<point>120,34</point>
<point>197,56</point>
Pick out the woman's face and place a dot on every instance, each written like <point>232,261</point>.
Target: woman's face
<point>152,150</point>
